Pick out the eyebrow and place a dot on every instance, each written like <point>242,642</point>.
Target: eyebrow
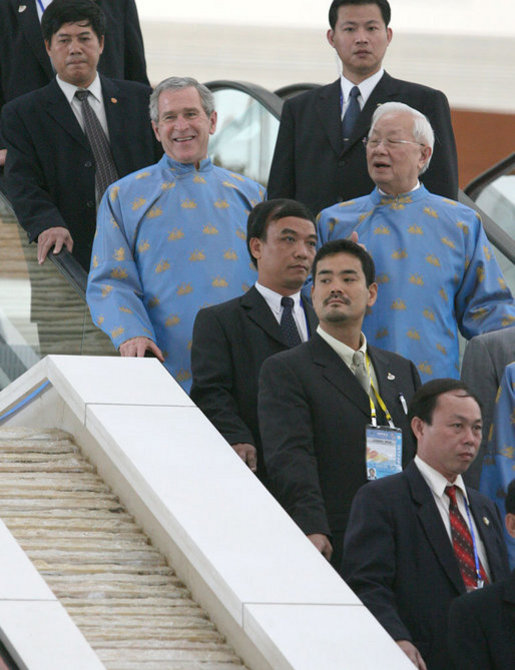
<point>290,231</point>
<point>464,418</point>
<point>340,272</point>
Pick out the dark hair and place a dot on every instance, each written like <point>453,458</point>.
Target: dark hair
<point>509,502</point>
<point>269,211</point>
<point>424,400</point>
<point>345,246</point>
<point>60,12</point>
<point>383,5</point>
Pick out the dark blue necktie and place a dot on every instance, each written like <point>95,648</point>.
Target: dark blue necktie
<point>288,327</point>
<point>351,113</point>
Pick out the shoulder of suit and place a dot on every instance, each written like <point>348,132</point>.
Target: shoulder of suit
<point>313,94</point>
<point>392,357</point>
<point>410,86</point>
<point>126,86</point>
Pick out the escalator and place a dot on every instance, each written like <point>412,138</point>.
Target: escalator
<point>43,309</point>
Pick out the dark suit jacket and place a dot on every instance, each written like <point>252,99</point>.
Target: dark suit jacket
<point>310,163</point>
<point>312,417</point>
<point>25,65</point>
<point>50,173</point>
<point>230,343</point>
<point>485,358</point>
<point>399,560</point>
<point>482,628</point>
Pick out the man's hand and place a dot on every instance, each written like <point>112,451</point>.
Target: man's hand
<point>248,454</point>
<point>3,154</point>
<point>56,237</point>
<point>322,543</point>
<point>136,347</point>
<point>412,653</point>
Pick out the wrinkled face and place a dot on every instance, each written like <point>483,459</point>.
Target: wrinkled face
<point>451,442</point>
<point>360,39</point>
<point>74,51</point>
<point>183,127</point>
<point>284,258</point>
<point>340,293</point>
<point>395,167</point>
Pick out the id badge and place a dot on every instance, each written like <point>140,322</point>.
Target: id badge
<point>384,451</point>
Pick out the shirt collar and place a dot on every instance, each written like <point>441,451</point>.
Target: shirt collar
<point>183,168</point>
<point>365,87</point>
<point>273,299</point>
<point>389,195</point>
<point>95,88</point>
<point>436,481</point>
<point>345,352</point>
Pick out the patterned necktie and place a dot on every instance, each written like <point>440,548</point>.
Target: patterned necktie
<point>288,327</point>
<point>360,370</point>
<point>351,113</point>
<point>105,170</point>
<point>462,543</point>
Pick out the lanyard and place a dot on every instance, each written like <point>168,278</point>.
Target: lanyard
<point>480,581</point>
<point>380,401</point>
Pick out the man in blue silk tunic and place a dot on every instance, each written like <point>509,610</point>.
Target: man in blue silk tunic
<point>171,238</point>
<point>435,267</point>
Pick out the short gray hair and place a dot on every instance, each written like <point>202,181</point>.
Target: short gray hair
<point>176,84</point>
<point>422,130</point>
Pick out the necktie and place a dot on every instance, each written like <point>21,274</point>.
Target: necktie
<point>351,113</point>
<point>105,169</point>
<point>360,370</point>
<point>462,543</point>
<point>288,327</point>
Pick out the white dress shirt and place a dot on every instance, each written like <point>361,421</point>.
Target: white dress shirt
<point>346,353</point>
<point>273,300</point>
<point>437,483</point>
<point>365,89</point>
<point>96,101</point>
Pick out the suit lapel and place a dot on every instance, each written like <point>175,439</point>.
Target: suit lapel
<point>114,104</point>
<point>329,114</point>
<point>433,526</point>
<point>260,313</point>
<point>388,384</point>
<point>311,317</point>
<point>486,528</point>
<point>29,22</point>
<point>383,91</point>
<point>56,104</point>
<point>338,374</point>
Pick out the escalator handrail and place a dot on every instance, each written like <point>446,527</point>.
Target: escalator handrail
<point>496,235</point>
<point>476,186</point>
<point>71,270</point>
<point>267,99</point>
<point>291,90</point>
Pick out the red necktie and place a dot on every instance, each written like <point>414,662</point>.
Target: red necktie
<point>462,543</point>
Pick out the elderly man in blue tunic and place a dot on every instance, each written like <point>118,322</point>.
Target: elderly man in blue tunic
<point>435,267</point>
<point>171,237</point>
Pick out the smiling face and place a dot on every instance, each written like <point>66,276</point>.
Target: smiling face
<point>451,441</point>
<point>395,167</point>
<point>183,127</point>
<point>285,256</point>
<point>340,293</point>
<point>360,38</point>
<point>74,51</point>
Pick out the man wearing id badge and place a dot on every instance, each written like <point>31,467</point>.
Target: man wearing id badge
<point>419,539</point>
<point>333,411</point>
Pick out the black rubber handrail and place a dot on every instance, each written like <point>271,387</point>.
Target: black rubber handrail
<point>71,270</point>
<point>497,235</point>
<point>476,186</point>
<point>292,90</point>
<point>269,100</point>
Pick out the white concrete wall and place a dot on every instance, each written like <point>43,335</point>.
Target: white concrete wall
<point>278,601</point>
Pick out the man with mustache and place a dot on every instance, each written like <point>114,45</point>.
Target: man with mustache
<point>332,411</point>
<point>231,340</point>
